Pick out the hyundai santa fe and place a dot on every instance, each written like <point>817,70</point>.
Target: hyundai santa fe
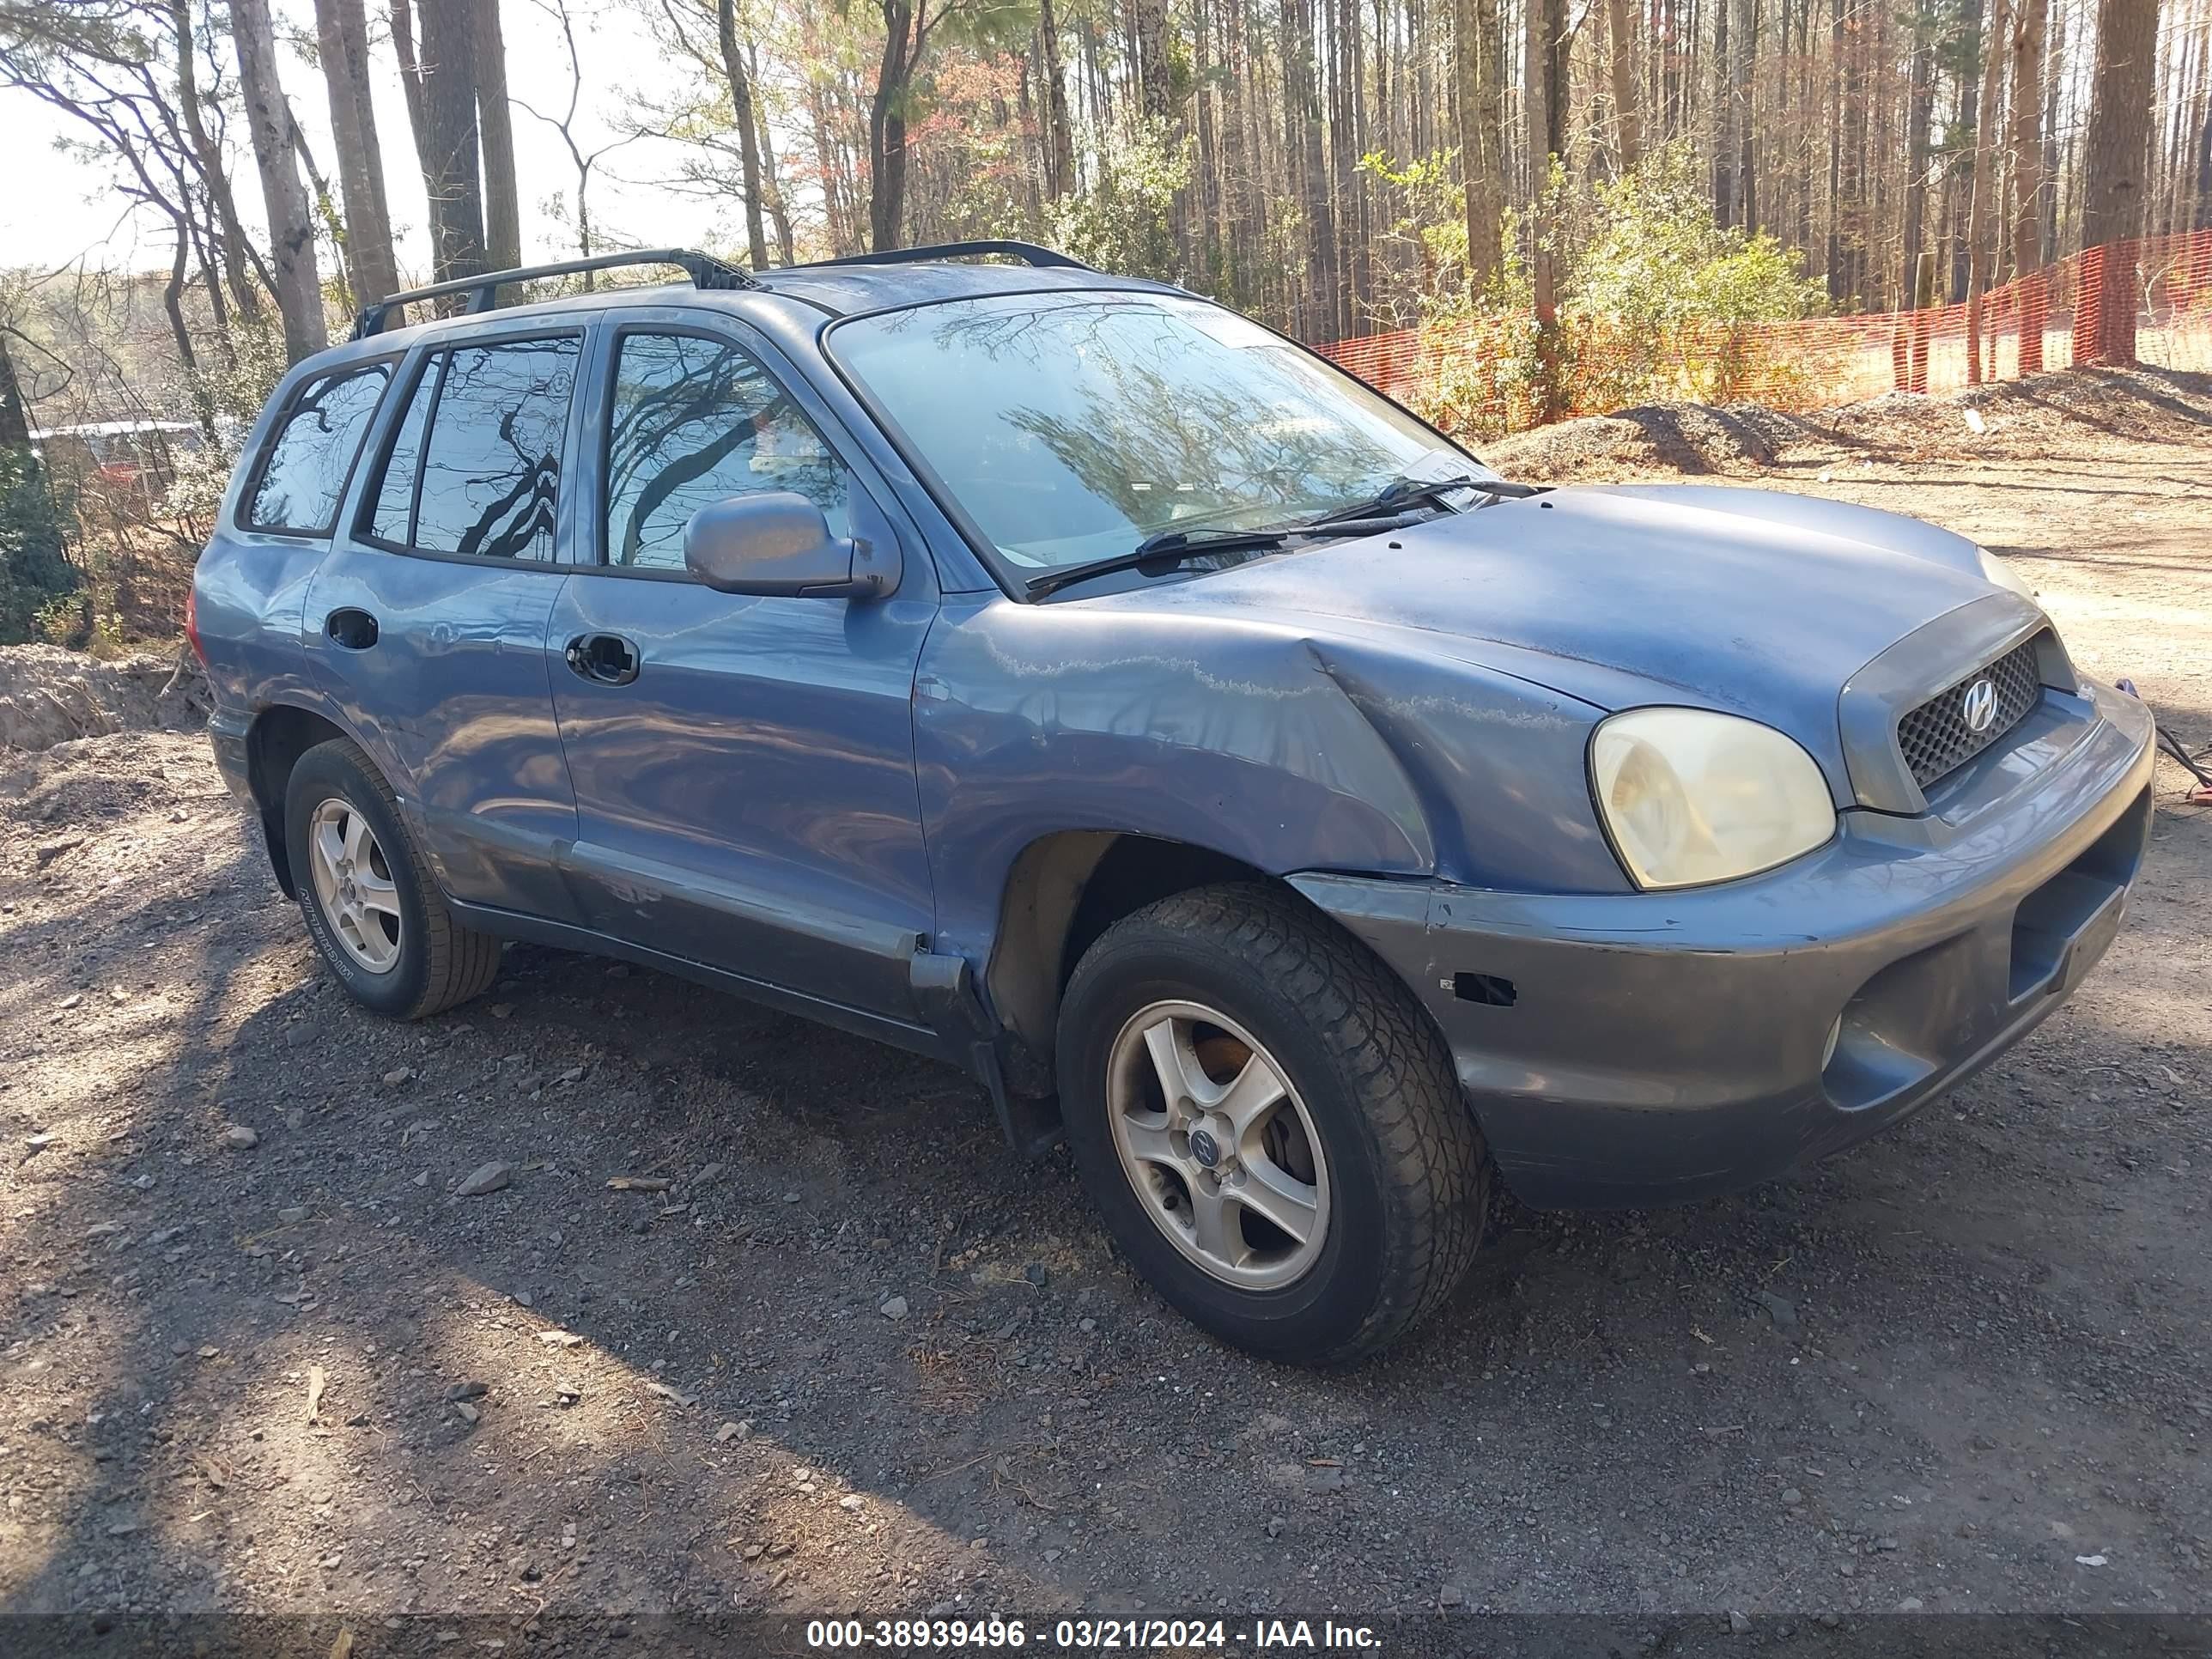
<point>1064,676</point>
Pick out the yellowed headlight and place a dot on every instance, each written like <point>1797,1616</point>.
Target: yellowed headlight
<point>1691,796</point>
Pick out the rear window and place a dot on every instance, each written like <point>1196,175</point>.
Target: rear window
<point>475,468</point>
<point>304,470</point>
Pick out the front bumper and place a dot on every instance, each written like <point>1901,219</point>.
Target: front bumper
<point>1638,1049</point>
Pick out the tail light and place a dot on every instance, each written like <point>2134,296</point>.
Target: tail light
<point>192,624</point>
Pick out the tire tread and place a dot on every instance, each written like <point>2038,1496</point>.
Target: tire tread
<point>1434,1169</point>
<point>463,961</point>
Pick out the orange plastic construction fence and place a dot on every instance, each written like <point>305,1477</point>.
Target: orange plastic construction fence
<point>2149,301</point>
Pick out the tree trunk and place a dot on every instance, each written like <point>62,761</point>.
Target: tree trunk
<point>1545,25</point>
<point>1151,44</point>
<point>1725,111</point>
<point>2027,142</point>
<point>1746,38</point>
<point>410,78</point>
<point>291,230</point>
<point>741,109</point>
<point>503,202</point>
<point>1620,37</point>
<point>1981,212</point>
<point>1839,284</point>
<point>449,141</point>
<point>1482,163</point>
<point>1920,96</point>
<point>2113,183</point>
<point>15,417</point>
<point>342,41</point>
<point>887,126</point>
<point>1060,141</point>
<point>771,183</point>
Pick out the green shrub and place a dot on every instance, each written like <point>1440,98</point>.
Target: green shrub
<point>35,567</point>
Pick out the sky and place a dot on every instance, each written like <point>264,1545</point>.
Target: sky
<point>56,211</point>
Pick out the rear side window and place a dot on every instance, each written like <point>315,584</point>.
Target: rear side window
<point>304,470</point>
<point>475,468</point>
<point>694,422</point>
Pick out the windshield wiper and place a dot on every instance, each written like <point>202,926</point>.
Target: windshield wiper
<point>1172,547</point>
<point>1166,547</point>
<point>1408,491</point>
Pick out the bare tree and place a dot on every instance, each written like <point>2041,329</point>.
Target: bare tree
<point>1981,213</point>
<point>342,41</point>
<point>1620,39</point>
<point>230,235</point>
<point>442,107</point>
<point>291,230</point>
<point>1481,134</point>
<point>565,124</point>
<point>741,105</point>
<point>2113,183</point>
<point>2027,147</point>
<point>496,136</point>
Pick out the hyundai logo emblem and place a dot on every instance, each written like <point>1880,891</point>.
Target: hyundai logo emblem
<point>1979,710</point>
<point>1204,1148</point>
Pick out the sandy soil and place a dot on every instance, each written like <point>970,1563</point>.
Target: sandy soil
<point>1962,1369</point>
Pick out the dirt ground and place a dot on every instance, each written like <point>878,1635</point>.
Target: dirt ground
<point>258,1353</point>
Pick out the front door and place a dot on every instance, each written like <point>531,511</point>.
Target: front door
<point>428,620</point>
<point>744,767</point>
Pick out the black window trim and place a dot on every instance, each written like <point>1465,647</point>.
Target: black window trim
<point>608,356</point>
<point>389,362</point>
<point>435,351</point>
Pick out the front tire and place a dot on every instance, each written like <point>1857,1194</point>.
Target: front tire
<point>370,902</point>
<point>1272,1131</point>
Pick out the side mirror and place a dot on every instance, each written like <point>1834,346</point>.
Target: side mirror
<point>778,543</point>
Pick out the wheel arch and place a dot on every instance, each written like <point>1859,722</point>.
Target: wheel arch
<point>1064,890</point>
<point>279,735</point>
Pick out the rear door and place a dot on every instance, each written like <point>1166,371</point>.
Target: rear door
<point>743,766</point>
<point>428,621</point>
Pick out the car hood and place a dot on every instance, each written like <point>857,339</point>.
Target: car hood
<point>1744,600</point>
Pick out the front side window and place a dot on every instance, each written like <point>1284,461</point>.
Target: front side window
<point>693,421</point>
<point>475,466</point>
<point>304,471</point>
<point>1071,427</point>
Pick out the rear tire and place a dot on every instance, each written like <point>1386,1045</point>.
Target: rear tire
<point>371,904</point>
<point>1368,1147</point>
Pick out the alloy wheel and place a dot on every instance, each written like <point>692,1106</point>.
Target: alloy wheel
<point>354,886</point>
<point>1219,1149</point>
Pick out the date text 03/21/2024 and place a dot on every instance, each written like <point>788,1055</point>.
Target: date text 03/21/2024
<point>1089,1635</point>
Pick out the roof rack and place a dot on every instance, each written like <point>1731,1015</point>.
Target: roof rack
<point>704,270</point>
<point>1030,254</point>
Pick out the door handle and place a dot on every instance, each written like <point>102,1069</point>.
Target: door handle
<point>351,629</point>
<point>602,659</point>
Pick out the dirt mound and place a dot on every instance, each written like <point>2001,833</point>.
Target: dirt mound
<point>2010,418</point>
<point>1670,438</point>
<point>49,695</point>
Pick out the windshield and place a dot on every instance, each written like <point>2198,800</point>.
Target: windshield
<point>1073,426</point>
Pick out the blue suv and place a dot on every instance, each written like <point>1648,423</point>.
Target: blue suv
<point>1064,676</point>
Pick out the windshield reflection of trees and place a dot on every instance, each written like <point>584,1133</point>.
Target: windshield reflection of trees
<point>1166,423</point>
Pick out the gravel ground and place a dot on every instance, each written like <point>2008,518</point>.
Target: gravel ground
<point>263,1349</point>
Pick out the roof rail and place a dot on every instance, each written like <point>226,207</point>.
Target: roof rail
<point>704,270</point>
<point>1030,254</point>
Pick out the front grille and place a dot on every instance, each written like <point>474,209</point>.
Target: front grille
<point>1935,738</point>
